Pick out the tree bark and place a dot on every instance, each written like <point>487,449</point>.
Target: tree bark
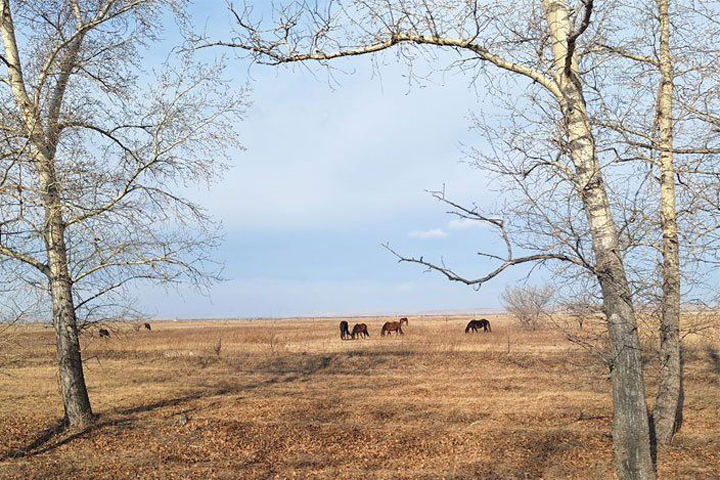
<point>76,402</point>
<point>73,390</point>
<point>667,412</point>
<point>631,432</point>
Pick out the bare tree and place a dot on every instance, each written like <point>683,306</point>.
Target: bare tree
<point>95,154</point>
<point>657,105</point>
<point>528,303</point>
<point>581,306</point>
<point>536,51</point>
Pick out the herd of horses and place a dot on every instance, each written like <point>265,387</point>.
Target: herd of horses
<point>360,330</point>
<point>105,333</point>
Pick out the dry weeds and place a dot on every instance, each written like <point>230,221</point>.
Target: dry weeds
<point>288,399</point>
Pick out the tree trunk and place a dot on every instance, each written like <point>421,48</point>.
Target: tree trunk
<point>631,432</point>
<point>667,413</point>
<point>76,402</point>
<point>71,379</point>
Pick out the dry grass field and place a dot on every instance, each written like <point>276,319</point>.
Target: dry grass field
<point>287,399</point>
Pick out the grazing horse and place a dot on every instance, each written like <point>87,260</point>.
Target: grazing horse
<point>475,324</point>
<point>104,333</point>
<point>390,327</point>
<point>344,330</point>
<point>147,327</point>
<point>361,330</point>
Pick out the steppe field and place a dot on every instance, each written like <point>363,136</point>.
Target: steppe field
<point>287,399</point>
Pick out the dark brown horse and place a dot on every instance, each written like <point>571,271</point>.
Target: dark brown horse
<point>147,327</point>
<point>104,333</point>
<point>344,330</point>
<point>475,324</point>
<point>361,330</point>
<point>390,327</point>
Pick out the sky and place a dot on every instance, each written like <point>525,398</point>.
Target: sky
<point>328,174</point>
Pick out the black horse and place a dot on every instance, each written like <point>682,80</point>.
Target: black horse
<point>147,327</point>
<point>475,324</point>
<point>104,332</point>
<point>344,330</point>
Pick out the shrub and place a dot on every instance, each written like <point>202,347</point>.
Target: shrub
<point>528,304</point>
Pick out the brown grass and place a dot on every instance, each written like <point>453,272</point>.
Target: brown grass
<point>289,399</point>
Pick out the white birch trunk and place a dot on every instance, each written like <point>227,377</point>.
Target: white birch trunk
<point>667,412</point>
<point>631,433</point>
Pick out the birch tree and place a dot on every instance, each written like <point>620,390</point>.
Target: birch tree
<point>95,154</point>
<point>666,54</point>
<point>536,47</point>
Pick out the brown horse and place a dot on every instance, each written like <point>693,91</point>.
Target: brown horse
<point>390,327</point>
<point>361,330</point>
<point>104,333</point>
<point>475,324</point>
<point>147,327</point>
<point>344,330</point>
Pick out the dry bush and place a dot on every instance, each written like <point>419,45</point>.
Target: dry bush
<point>217,348</point>
<point>273,343</point>
<point>528,304</point>
<point>582,310</point>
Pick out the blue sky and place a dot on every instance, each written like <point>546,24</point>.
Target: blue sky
<point>328,175</point>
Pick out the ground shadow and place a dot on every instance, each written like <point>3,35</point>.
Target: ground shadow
<point>714,358</point>
<point>54,437</point>
<point>58,434</point>
<point>42,438</point>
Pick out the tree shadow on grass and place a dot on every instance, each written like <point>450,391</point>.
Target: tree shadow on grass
<point>58,434</point>
<point>714,358</point>
<point>41,439</point>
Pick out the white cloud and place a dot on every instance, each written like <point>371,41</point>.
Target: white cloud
<point>433,233</point>
<point>464,223</point>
